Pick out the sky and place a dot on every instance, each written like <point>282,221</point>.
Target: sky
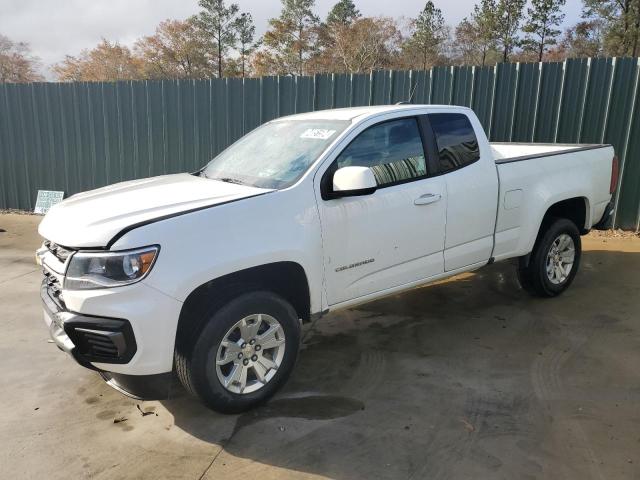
<point>55,28</point>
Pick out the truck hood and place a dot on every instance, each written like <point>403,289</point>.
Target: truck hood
<point>93,218</point>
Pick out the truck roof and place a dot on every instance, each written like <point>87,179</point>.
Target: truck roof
<point>360,113</point>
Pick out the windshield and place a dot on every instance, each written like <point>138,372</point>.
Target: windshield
<point>274,155</point>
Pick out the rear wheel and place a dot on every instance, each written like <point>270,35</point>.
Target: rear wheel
<point>554,261</point>
<point>246,351</point>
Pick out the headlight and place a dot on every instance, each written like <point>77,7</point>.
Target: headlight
<point>88,270</point>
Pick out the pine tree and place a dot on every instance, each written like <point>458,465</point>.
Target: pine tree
<point>343,13</point>
<point>246,31</point>
<point>217,20</point>
<point>476,36</point>
<point>509,15</point>
<point>428,35</point>
<point>290,37</point>
<point>543,18</point>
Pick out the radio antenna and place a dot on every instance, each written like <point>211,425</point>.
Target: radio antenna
<point>413,91</point>
<point>415,86</point>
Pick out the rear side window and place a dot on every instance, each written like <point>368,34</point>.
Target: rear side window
<point>456,141</point>
<point>392,150</point>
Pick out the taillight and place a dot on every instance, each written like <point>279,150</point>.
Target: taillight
<point>614,174</point>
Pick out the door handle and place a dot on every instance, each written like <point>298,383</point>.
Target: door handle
<point>427,198</point>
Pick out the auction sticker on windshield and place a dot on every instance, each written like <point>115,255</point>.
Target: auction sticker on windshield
<point>317,133</point>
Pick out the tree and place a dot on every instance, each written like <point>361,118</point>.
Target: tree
<point>289,40</point>
<point>367,44</point>
<point>232,68</point>
<point>106,62</point>
<point>178,49</point>
<point>508,17</point>
<point>246,33</point>
<point>217,20</point>
<point>621,20</point>
<point>343,13</point>
<point>583,40</point>
<point>17,65</point>
<point>543,17</point>
<point>429,32</point>
<point>476,36</point>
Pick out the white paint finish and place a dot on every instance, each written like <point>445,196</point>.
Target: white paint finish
<point>91,219</point>
<point>207,244</point>
<point>501,151</point>
<point>404,287</point>
<point>545,181</point>
<point>506,241</point>
<point>513,199</point>
<point>153,316</point>
<point>353,178</point>
<point>402,234</point>
<point>404,241</point>
<point>471,206</point>
<point>360,114</point>
<point>475,251</point>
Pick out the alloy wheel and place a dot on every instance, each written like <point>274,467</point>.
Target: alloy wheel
<point>250,353</point>
<point>560,259</point>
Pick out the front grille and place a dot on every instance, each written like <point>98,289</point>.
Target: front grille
<point>60,253</point>
<point>53,284</point>
<point>54,289</point>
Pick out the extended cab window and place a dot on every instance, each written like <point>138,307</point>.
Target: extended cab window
<point>392,150</point>
<point>456,140</point>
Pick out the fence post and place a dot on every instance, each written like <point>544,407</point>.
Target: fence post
<point>516,92</point>
<point>606,112</point>
<point>557,126</point>
<point>623,154</point>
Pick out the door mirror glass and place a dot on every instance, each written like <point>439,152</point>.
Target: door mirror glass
<point>392,150</point>
<point>352,181</point>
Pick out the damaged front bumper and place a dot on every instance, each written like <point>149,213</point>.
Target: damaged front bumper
<point>91,339</point>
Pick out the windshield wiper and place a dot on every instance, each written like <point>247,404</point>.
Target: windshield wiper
<point>229,180</point>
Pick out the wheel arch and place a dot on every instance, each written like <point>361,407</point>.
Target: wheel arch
<point>287,279</point>
<point>576,209</point>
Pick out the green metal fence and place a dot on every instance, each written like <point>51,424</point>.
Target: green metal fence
<point>79,136</point>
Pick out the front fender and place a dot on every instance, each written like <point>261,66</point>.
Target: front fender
<point>201,246</point>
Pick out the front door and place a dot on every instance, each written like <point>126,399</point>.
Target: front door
<point>393,236</point>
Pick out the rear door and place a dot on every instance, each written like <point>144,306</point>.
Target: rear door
<point>472,187</point>
<point>393,236</point>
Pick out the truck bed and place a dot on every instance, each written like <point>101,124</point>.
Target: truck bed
<point>505,152</point>
<point>526,188</point>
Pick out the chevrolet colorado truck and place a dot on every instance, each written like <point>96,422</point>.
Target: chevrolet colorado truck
<point>209,275</point>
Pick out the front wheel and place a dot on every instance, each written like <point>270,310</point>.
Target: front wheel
<point>245,352</point>
<point>554,261</point>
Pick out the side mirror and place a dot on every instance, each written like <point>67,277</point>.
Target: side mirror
<point>353,181</point>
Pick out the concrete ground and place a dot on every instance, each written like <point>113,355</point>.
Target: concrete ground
<point>467,378</point>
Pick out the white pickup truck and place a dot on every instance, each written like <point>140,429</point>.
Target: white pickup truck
<point>210,275</point>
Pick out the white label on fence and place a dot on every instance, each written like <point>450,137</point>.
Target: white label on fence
<point>317,133</point>
<point>46,200</point>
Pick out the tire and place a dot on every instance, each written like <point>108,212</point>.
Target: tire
<point>199,372</point>
<point>535,276</point>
